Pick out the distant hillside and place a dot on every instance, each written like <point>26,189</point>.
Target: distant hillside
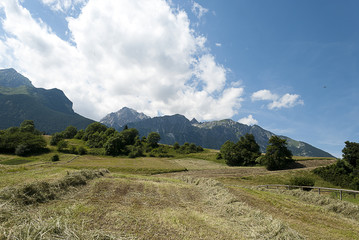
<point>178,128</point>
<point>50,109</point>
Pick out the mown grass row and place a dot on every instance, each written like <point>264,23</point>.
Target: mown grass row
<point>345,208</point>
<point>253,223</point>
<point>43,191</point>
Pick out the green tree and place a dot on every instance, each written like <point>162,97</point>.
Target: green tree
<point>27,126</point>
<point>55,138</point>
<point>115,145</point>
<point>62,145</point>
<point>153,138</point>
<point>277,156</point>
<point>70,132</point>
<point>243,153</point>
<point>249,150</point>
<point>130,135</point>
<point>230,153</point>
<point>93,128</point>
<point>351,153</point>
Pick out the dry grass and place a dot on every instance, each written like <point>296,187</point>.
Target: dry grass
<point>311,220</point>
<point>344,208</point>
<point>137,165</point>
<point>253,224</point>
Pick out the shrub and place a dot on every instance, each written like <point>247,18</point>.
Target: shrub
<point>55,158</point>
<point>21,150</point>
<point>302,181</point>
<point>61,145</point>
<point>81,150</point>
<point>56,138</point>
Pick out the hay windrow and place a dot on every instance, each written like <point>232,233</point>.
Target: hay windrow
<point>42,191</point>
<point>253,223</point>
<point>344,208</point>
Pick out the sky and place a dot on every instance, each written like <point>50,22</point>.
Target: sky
<point>290,67</point>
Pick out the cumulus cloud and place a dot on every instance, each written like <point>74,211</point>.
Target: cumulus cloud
<point>218,45</point>
<point>63,5</point>
<point>141,54</point>
<point>248,120</point>
<point>198,10</point>
<point>286,101</point>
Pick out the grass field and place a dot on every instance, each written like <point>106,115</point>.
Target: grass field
<point>191,196</point>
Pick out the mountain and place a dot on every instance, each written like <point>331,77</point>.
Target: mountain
<point>50,109</point>
<point>178,128</point>
<point>120,118</point>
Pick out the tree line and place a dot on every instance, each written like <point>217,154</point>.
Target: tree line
<point>109,141</point>
<point>246,152</point>
<point>23,140</point>
<point>345,172</point>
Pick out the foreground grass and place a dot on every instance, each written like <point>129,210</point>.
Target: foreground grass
<point>123,206</point>
<point>312,220</point>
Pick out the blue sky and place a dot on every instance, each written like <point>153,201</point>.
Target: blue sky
<point>289,66</point>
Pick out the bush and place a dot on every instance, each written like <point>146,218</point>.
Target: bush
<point>61,145</point>
<point>81,150</point>
<point>302,181</point>
<point>55,158</point>
<point>56,138</point>
<point>21,150</point>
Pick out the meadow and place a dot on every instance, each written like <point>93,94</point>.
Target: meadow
<point>186,196</point>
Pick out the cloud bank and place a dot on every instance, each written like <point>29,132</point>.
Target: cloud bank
<point>141,54</point>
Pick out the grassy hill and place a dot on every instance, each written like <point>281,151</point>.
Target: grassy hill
<point>183,197</point>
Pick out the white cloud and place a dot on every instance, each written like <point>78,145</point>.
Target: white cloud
<point>286,101</point>
<point>141,54</point>
<point>264,95</point>
<point>198,10</point>
<point>218,45</point>
<point>248,120</point>
<point>63,5</point>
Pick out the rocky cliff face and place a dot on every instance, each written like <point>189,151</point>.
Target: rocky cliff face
<point>50,109</point>
<point>177,128</point>
<point>120,118</point>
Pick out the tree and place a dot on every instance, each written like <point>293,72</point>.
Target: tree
<point>55,138</point>
<point>115,145</point>
<point>130,135</point>
<point>230,153</point>
<point>70,132</point>
<point>351,153</point>
<point>277,156</point>
<point>93,128</point>
<point>249,150</point>
<point>27,126</point>
<point>153,138</point>
<point>243,153</point>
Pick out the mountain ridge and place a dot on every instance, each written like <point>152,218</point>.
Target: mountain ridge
<point>50,109</point>
<point>177,128</point>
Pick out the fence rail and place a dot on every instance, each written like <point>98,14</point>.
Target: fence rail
<point>319,189</point>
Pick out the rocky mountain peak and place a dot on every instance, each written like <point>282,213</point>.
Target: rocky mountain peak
<point>12,79</point>
<point>122,117</point>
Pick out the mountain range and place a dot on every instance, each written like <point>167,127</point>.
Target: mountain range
<point>50,109</point>
<point>52,112</point>
<point>177,128</point>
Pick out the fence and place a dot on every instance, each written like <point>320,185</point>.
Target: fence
<point>319,189</point>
